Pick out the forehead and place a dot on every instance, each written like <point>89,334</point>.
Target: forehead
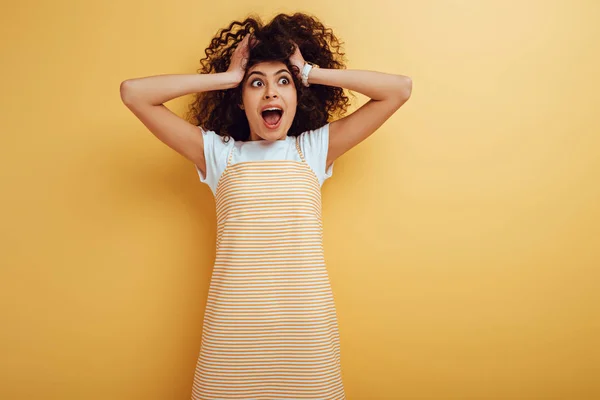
<point>268,67</point>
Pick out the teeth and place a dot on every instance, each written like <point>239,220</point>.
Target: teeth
<point>272,108</point>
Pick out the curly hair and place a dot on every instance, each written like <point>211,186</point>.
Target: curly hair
<point>218,110</point>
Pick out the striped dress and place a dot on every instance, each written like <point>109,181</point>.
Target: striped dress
<point>270,326</point>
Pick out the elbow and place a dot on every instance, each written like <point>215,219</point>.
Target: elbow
<point>405,87</point>
<point>126,91</point>
<point>402,90</point>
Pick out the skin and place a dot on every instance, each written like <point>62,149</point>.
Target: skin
<point>386,92</point>
<point>269,83</point>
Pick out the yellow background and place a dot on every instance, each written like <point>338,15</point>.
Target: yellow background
<point>462,238</point>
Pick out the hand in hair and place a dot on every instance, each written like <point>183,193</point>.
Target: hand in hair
<point>297,59</point>
<point>218,110</point>
<point>239,58</point>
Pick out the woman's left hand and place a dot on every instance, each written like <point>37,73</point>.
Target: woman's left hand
<point>297,59</point>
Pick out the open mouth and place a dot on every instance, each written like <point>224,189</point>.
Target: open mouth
<point>272,118</point>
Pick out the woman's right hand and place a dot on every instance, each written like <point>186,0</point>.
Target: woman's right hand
<point>239,58</point>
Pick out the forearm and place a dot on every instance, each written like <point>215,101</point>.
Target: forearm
<point>375,85</point>
<point>159,89</point>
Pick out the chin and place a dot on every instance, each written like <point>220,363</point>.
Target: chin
<point>273,134</point>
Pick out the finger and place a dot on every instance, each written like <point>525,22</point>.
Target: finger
<point>253,41</point>
<point>242,42</point>
<point>241,46</point>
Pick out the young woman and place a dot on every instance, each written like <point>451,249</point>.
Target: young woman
<point>262,141</point>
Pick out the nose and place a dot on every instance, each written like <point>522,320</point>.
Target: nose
<point>270,92</point>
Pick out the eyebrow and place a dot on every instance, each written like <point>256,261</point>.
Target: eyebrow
<point>263,74</point>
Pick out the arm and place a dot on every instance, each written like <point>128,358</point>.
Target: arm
<point>156,90</point>
<point>387,92</point>
<point>145,98</point>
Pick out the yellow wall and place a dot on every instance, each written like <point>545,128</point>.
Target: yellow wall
<point>462,238</point>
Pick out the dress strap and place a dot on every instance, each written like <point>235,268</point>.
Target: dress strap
<point>230,154</point>
<point>299,149</point>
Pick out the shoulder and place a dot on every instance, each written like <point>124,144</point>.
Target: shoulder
<point>314,144</point>
<point>216,151</point>
<point>315,141</point>
<point>315,137</point>
<point>215,139</point>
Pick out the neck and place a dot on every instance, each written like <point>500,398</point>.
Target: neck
<point>255,138</point>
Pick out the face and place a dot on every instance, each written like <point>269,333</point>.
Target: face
<point>269,85</point>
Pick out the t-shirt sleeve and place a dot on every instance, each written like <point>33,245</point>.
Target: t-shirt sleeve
<point>314,145</point>
<point>216,152</point>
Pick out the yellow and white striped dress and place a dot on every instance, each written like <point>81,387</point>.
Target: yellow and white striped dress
<point>270,327</point>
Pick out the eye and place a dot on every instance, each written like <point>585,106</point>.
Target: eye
<point>287,81</point>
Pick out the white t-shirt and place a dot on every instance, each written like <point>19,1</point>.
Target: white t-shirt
<point>313,143</point>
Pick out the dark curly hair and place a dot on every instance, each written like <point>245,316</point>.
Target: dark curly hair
<point>219,111</point>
